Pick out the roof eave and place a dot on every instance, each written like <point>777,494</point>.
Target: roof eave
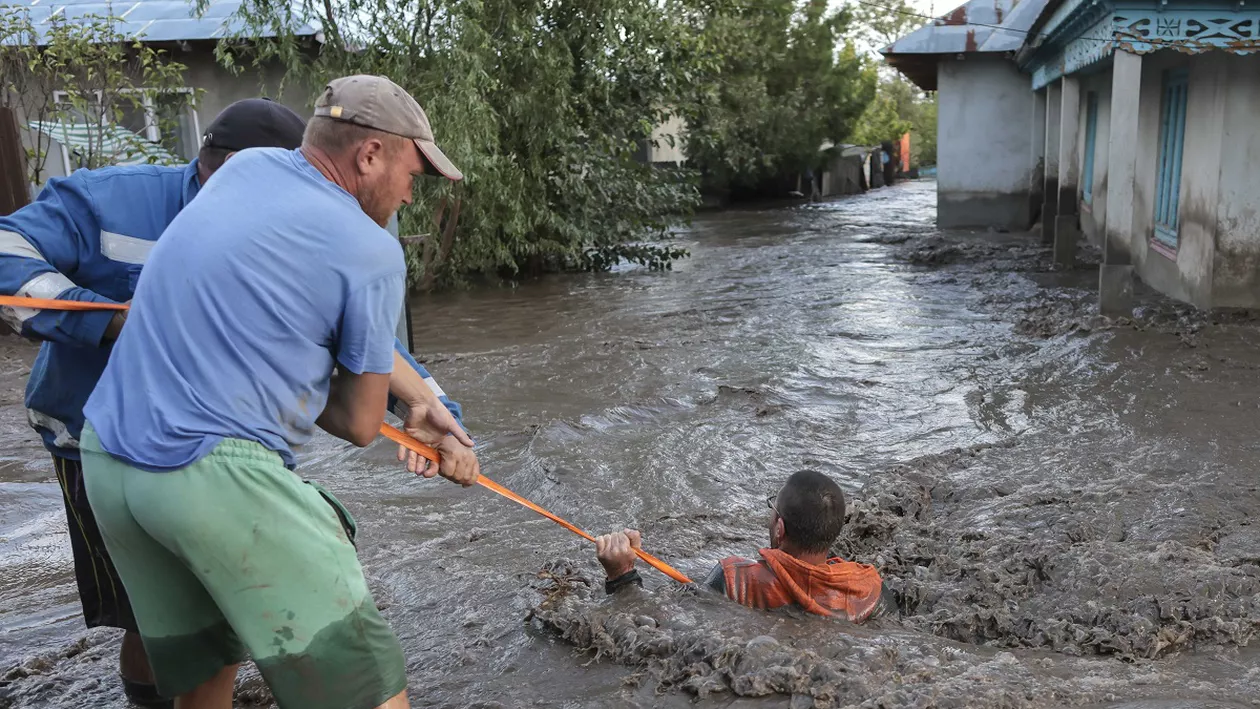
<point>920,69</point>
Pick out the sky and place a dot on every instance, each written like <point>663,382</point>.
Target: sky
<point>926,6</point>
<point>934,8</point>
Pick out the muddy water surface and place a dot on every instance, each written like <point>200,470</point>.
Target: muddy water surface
<point>1062,504</point>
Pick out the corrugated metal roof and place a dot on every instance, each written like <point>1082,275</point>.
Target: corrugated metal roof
<point>151,20</point>
<point>975,26</point>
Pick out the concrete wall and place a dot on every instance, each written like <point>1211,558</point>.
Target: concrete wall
<point>1037,158</point>
<point>220,88</point>
<point>661,151</point>
<point>1094,214</point>
<point>983,144</point>
<point>1236,264</point>
<point>1154,264</point>
<point>1217,259</point>
<point>1187,273</point>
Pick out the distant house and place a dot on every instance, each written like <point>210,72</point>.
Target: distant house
<point>987,171</point>
<point>1142,115</point>
<point>665,146</point>
<point>170,126</point>
<point>847,169</point>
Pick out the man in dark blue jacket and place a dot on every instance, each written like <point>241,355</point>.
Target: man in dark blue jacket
<point>86,237</point>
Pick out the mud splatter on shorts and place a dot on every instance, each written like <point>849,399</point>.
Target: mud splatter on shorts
<point>234,556</point>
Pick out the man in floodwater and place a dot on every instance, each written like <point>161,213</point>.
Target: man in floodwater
<point>267,309</point>
<point>806,517</point>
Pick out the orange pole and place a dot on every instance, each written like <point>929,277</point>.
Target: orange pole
<point>17,301</point>
<point>387,430</point>
<point>428,452</point>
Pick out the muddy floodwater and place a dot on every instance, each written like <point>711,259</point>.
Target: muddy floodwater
<point>1065,506</point>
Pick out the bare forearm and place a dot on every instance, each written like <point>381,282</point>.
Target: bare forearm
<point>408,386</point>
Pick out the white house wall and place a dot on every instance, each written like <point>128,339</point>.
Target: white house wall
<point>1187,273</point>
<point>220,89</point>
<point>1094,215</point>
<point>983,144</point>
<point>1037,178</point>
<point>660,149</point>
<point>1236,269</point>
<point>1217,260</point>
<point>1159,270</point>
<point>1200,175</point>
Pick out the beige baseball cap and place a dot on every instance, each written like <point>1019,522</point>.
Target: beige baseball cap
<point>376,102</point>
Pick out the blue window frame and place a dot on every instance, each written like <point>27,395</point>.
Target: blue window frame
<point>1091,145</point>
<point>1172,139</point>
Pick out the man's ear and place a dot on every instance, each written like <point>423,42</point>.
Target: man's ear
<point>370,152</point>
<point>228,156</point>
<point>777,531</point>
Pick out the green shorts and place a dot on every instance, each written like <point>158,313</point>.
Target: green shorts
<point>235,556</point>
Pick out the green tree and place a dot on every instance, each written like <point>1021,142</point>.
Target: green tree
<point>880,122</point>
<point>779,80</point>
<point>923,133</point>
<point>81,73</point>
<point>882,22</point>
<point>543,104</point>
<point>900,107</point>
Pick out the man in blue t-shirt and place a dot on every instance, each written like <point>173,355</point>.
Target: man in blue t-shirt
<point>87,237</point>
<point>267,309</point>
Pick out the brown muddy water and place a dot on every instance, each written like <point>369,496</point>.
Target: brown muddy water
<point>1063,504</point>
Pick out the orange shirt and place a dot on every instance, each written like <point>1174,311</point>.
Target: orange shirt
<point>839,587</point>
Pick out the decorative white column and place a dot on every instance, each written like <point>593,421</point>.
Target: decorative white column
<point>1037,156</point>
<point>1115,278</point>
<point>1050,208</point>
<point>1066,232</point>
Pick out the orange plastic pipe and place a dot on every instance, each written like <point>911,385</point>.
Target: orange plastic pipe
<point>387,430</point>
<point>18,301</point>
<point>430,453</point>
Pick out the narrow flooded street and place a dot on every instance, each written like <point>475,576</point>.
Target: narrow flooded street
<point>1063,505</point>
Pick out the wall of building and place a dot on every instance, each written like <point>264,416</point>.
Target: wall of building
<point>1186,273</point>
<point>1217,259</point>
<point>220,89</point>
<point>1236,264</point>
<point>983,143</point>
<point>1037,158</point>
<point>1094,213</point>
<point>660,150</point>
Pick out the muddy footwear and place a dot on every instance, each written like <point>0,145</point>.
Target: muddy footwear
<point>145,695</point>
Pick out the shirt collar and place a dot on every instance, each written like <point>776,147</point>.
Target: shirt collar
<point>192,184</point>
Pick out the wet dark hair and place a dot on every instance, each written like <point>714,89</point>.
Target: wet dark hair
<point>812,507</point>
<point>212,158</point>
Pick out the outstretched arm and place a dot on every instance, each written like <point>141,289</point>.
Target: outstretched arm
<point>426,419</point>
<point>40,248</point>
<point>413,366</point>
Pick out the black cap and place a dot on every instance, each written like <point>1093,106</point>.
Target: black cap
<point>255,123</point>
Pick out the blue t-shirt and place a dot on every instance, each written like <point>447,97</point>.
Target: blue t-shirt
<point>252,292</point>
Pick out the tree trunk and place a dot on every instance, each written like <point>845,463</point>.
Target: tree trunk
<point>13,184</point>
